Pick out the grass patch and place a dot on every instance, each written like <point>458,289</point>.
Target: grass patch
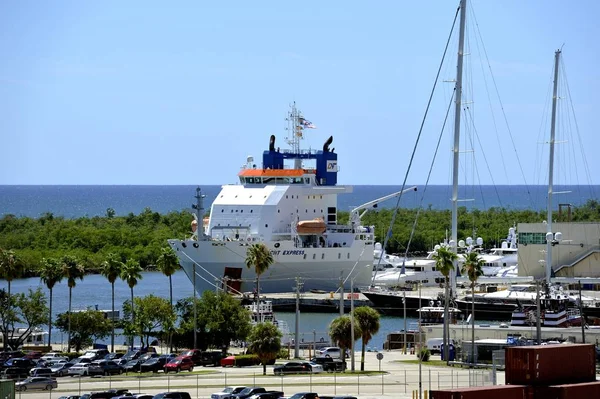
<point>437,363</point>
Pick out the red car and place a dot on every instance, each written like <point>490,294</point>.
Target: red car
<point>228,361</point>
<point>180,363</point>
<point>194,354</point>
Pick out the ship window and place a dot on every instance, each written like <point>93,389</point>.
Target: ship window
<point>314,256</point>
<point>348,255</point>
<point>232,211</point>
<point>306,210</point>
<point>321,198</point>
<point>251,210</point>
<point>314,211</point>
<point>286,197</point>
<point>322,256</point>
<point>278,211</point>
<point>339,256</point>
<point>304,256</point>
<point>266,225</point>
<point>242,211</point>
<point>222,210</point>
<point>236,211</point>
<point>321,210</point>
<point>331,209</point>
<point>235,196</point>
<point>250,197</point>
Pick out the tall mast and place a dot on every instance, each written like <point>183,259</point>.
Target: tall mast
<point>295,133</point>
<point>455,149</point>
<point>549,235</point>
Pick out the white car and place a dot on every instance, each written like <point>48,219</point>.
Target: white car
<point>53,356</point>
<point>80,369</point>
<point>227,392</point>
<point>315,367</point>
<point>331,351</point>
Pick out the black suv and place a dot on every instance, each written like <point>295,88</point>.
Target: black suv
<point>330,364</point>
<point>211,358</point>
<point>247,392</point>
<point>15,368</point>
<point>172,395</point>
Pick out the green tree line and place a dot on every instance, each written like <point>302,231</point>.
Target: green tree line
<point>141,237</point>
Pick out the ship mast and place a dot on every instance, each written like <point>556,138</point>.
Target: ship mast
<point>455,149</point>
<point>295,133</point>
<point>549,234</point>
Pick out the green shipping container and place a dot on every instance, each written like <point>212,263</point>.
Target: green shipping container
<point>7,389</point>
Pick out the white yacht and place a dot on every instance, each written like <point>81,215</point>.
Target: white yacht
<point>289,203</point>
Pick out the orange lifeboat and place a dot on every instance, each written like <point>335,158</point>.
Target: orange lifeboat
<point>315,226</point>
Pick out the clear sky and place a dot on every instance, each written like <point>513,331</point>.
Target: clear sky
<point>144,92</point>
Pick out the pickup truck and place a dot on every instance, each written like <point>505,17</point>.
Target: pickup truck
<point>330,364</point>
<point>247,392</point>
<point>16,368</point>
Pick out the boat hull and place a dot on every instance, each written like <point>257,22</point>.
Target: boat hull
<point>219,264</point>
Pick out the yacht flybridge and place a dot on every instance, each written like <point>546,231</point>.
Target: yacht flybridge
<point>289,203</point>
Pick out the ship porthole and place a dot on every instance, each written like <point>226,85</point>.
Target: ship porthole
<point>183,244</point>
<point>276,245</point>
<point>196,245</point>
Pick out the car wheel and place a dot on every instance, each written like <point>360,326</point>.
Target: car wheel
<point>191,369</point>
<point>23,388</point>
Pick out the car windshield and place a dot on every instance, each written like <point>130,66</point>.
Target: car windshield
<point>132,362</point>
<point>297,396</point>
<point>227,390</point>
<point>28,379</point>
<point>246,391</point>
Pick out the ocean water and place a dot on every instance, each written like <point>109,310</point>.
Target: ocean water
<point>79,201</point>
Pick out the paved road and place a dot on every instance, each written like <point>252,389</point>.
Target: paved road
<point>397,380</point>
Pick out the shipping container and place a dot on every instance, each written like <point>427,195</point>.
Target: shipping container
<point>7,389</point>
<point>489,392</point>
<point>587,390</point>
<point>550,364</point>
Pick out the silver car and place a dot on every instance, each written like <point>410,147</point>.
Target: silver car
<point>80,369</point>
<point>36,383</point>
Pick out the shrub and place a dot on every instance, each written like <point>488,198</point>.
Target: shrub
<point>425,354</point>
<point>283,354</point>
<point>246,360</point>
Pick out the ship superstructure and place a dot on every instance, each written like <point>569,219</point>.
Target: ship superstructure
<point>289,203</point>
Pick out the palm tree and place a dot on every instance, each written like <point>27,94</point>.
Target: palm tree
<point>265,342</point>
<point>340,331</point>
<point>367,320</point>
<point>168,264</point>
<point>111,269</point>
<point>72,270</point>
<point>51,273</point>
<point>259,257</point>
<point>473,267</point>
<point>10,266</point>
<point>444,263</point>
<point>131,273</point>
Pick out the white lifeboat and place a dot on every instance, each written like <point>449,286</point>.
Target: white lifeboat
<point>314,226</point>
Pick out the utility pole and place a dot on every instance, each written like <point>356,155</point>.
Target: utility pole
<point>297,327</point>
<point>420,345</point>
<point>341,293</point>
<point>538,321</point>
<point>404,302</point>
<point>195,307</point>
<point>352,324</point>
<point>581,315</point>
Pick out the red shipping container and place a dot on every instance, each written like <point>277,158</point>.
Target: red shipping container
<point>489,392</point>
<point>588,390</point>
<point>550,364</point>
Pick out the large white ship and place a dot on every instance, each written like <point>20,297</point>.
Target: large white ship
<point>289,203</point>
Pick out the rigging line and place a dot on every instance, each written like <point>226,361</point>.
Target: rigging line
<point>412,156</point>
<point>437,147</point>
<point>468,114</point>
<point>584,159</point>
<point>203,278</point>
<point>503,112</point>
<point>493,115</point>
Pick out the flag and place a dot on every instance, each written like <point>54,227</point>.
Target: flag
<point>308,124</point>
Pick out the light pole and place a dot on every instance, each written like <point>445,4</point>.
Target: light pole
<point>404,302</point>
<point>352,324</point>
<point>420,343</point>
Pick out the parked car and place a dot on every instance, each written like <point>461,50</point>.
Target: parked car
<point>134,396</point>
<point>104,367</point>
<point>60,369</point>
<point>53,356</point>
<point>247,392</point>
<point>113,356</point>
<point>36,383</point>
<point>268,395</point>
<point>81,360</point>
<point>292,368</point>
<point>180,363</point>
<point>211,358</point>
<point>33,355</point>
<point>227,392</point>
<point>111,393</point>
<point>155,364</point>
<point>17,368</point>
<point>80,369</point>
<point>69,397</point>
<point>305,395</point>
<point>40,372</point>
<point>95,354</point>
<point>337,397</point>
<point>133,365</point>
<point>228,361</point>
<point>329,364</point>
<point>331,351</point>
<point>194,354</point>
<point>172,395</point>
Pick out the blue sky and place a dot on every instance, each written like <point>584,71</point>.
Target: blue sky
<point>143,92</point>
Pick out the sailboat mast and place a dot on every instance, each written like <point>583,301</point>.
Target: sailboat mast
<point>549,234</point>
<point>457,110</point>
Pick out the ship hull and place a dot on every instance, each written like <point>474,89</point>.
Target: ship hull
<point>220,264</point>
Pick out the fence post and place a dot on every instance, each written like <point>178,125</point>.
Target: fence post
<point>281,382</point>
<point>79,386</point>
<point>140,383</point>
<point>438,387</point>
<point>429,380</point>
<point>358,383</point>
<point>334,382</point>
<point>405,383</point>
<point>382,383</point>
<point>225,378</point>
<point>310,381</point>
<point>254,381</point>
<point>197,396</point>
<point>451,379</point>
<point>168,382</point>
